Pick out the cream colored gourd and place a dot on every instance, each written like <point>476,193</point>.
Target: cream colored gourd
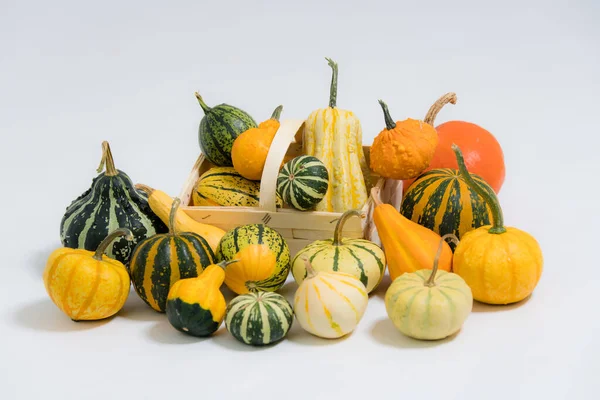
<point>329,304</point>
<point>429,304</point>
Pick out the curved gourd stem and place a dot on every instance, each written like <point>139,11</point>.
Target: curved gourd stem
<point>337,233</point>
<point>489,198</point>
<point>107,160</point>
<point>376,196</point>
<point>147,189</point>
<point>431,281</point>
<point>277,113</point>
<point>108,240</point>
<point>224,264</point>
<point>310,271</point>
<point>437,106</point>
<point>334,83</point>
<point>173,214</point>
<point>389,122</point>
<point>205,108</point>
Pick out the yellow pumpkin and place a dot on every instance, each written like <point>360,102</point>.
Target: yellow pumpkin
<point>87,285</point>
<point>250,149</point>
<point>252,272</point>
<point>334,136</point>
<point>502,265</point>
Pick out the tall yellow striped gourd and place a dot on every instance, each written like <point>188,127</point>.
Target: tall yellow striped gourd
<point>334,136</point>
<point>329,304</point>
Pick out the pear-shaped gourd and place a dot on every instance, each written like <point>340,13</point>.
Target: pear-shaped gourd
<point>329,304</point>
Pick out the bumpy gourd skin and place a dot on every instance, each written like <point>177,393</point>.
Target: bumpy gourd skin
<point>500,268</point>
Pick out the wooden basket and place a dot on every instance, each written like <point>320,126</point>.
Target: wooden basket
<point>299,228</point>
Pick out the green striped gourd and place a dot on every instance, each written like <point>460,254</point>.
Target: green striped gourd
<point>219,128</point>
<point>243,236</point>
<point>358,257</point>
<point>259,318</point>
<point>223,186</point>
<point>302,182</point>
<point>160,261</point>
<point>111,202</point>
<point>441,200</point>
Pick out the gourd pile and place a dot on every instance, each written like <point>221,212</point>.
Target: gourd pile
<point>117,234</point>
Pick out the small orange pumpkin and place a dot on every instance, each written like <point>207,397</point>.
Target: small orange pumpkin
<point>403,149</point>
<point>250,149</point>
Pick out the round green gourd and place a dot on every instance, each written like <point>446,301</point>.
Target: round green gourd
<point>303,182</point>
<point>259,318</point>
<point>242,236</point>
<point>219,128</point>
<point>111,202</point>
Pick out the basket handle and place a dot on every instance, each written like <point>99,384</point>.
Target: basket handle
<point>279,147</point>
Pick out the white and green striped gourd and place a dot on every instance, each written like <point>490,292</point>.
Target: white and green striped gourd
<point>303,182</point>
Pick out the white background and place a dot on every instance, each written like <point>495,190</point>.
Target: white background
<point>75,73</point>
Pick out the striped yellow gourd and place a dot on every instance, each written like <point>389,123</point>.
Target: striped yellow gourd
<point>334,136</point>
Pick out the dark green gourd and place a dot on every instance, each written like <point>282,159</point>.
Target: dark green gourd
<point>219,127</point>
<point>111,202</point>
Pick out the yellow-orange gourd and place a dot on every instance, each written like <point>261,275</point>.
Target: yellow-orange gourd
<point>408,246</point>
<point>403,149</point>
<point>250,149</point>
<point>255,265</point>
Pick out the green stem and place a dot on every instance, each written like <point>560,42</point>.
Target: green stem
<point>334,83</point>
<point>173,214</point>
<point>144,188</point>
<point>431,281</point>
<point>225,263</point>
<point>339,227</point>
<point>108,240</point>
<point>389,122</point>
<point>489,198</point>
<point>107,160</point>
<point>277,113</point>
<point>202,103</point>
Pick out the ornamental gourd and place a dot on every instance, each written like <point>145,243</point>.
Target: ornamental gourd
<point>358,257</point>
<point>161,203</point>
<point>334,136</point>
<point>111,202</point>
<point>329,304</point>
<point>303,182</point>
<point>87,285</point>
<point>250,149</point>
<point>160,261</point>
<point>501,264</point>
<point>429,304</point>
<point>219,128</point>
<point>253,271</point>
<point>408,246</point>
<point>196,306</point>
<point>404,148</point>
<point>259,318</point>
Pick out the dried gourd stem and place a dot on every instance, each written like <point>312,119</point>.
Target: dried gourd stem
<point>376,196</point>
<point>108,240</point>
<point>437,106</point>
<point>172,215</point>
<point>334,83</point>
<point>389,121</point>
<point>431,281</point>
<point>146,189</point>
<point>489,197</point>
<point>337,233</point>
<point>205,108</point>
<point>310,271</point>
<point>277,113</point>
<point>107,160</point>
<point>225,263</point>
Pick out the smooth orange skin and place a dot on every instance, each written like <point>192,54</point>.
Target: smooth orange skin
<point>482,152</point>
<point>250,149</point>
<point>404,151</point>
<point>256,262</point>
<point>500,268</point>
<point>408,246</point>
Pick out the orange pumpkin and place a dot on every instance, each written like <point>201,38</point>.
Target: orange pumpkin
<point>482,152</point>
<point>403,149</point>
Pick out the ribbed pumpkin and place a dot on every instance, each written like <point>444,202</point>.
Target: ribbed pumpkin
<point>359,257</point>
<point>160,261</point>
<point>87,285</point>
<point>196,306</point>
<point>442,201</point>
<point>224,186</point>
<point>334,136</point>
<point>303,182</point>
<point>111,202</point>
<point>259,318</point>
<point>243,236</point>
<point>254,268</point>
<point>329,304</point>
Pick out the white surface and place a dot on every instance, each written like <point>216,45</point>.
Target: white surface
<point>76,73</point>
